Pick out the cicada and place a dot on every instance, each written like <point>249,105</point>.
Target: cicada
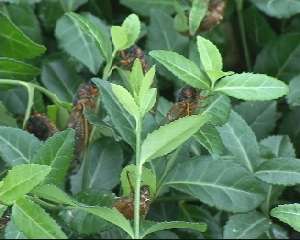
<point>125,205</point>
<point>40,126</point>
<point>85,99</point>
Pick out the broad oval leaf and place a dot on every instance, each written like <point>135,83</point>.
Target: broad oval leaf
<point>210,56</point>
<point>249,86</point>
<point>111,215</point>
<point>14,69</point>
<point>182,68</point>
<point>278,8</point>
<point>52,193</point>
<point>168,137</point>
<point>240,140</point>
<point>288,213</point>
<point>57,152</point>
<point>14,43</point>
<point>17,146</point>
<point>132,26</point>
<point>119,37</point>
<point>246,226</point>
<point>196,15</point>
<point>151,227</point>
<point>223,184</point>
<point>281,171</point>
<point>78,42</point>
<point>20,180</point>
<point>121,120</point>
<point>34,222</point>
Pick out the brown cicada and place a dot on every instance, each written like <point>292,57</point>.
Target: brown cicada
<point>4,221</point>
<point>85,99</point>
<point>125,205</point>
<point>128,56</point>
<point>187,102</point>
<point>40,126</point>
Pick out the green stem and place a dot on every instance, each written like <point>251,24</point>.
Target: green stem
<point>138,179</point>
<point>239,5</point>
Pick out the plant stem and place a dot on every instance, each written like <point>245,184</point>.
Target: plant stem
<point>239,6</point>
<point>138,179</point>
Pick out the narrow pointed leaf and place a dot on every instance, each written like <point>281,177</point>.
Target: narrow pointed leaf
<point>196,15</point>
<point>21,180</point>
<point>249,86</point>
<point>132,26</point>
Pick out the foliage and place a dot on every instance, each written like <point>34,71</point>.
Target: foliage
<point>163,119</point>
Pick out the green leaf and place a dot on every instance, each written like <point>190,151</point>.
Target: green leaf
<point>148,102</point>
<point>12,232</point>
<point>209,137</point>
<point>72,5</point>
<point>210,56</point>
<point>288,213</point>
<point>105,165</point>
<point>148,178</point>
<point>111,215</point>
<point>168,137</point>
<point>34,222</point>
<point>278,8</point>
<point>279,59</point>
<point>78,42</point>
<point>151,227</point>
<point>60,78</point>
<point>127,101</point>
<point>277,146</point>
<point>218,107</point>
<point>249,86</point>
<point>182,68</point>
<point>52,193</point>
<point>181,22</point>
<point>17,146</point>
<point>14,43</point>
<point>119,37</point>
<point>121,120</point>
<point>14,69</point>
<point>246,226</point>
<point>196,15</point>
<point>294,93</point>
<point>6,118</point>
<point>260,116</point>
<point>281,171</point>
<point>132,27</point>
<point>57,152</point>
<point>21,180</point>
<point>146,6</point>
<point>240,140</point>
<point>223,184</point>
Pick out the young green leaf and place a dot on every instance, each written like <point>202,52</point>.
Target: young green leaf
<point>223,184</point>
<point>119,37</point>
<point>246,226</point>
<point>148,102</point>
<point>126,99</point>
<point>78,42</point>
<point>277,146</point>
<point>14,69</point>
<point>111,215</point>
<point>288,213</point>
<point>197,13</point>
<point>148,178</point>
<point>122,121</point>
<point>249,86</point>
<point>34,222</point>
<point>240,140</point>
<point>57,152</point>
<point>21,180</point>
<point>135,76</point>
<point>146,83</point>
<point>182,68</point>
<point>132,27</point>
<point>168,137</point>
<point>210,56</point>
<point>281,171</point>
<point>14,43</point>
<point>52,193</point>
<point>17,146</point>
<point>151,227</point>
